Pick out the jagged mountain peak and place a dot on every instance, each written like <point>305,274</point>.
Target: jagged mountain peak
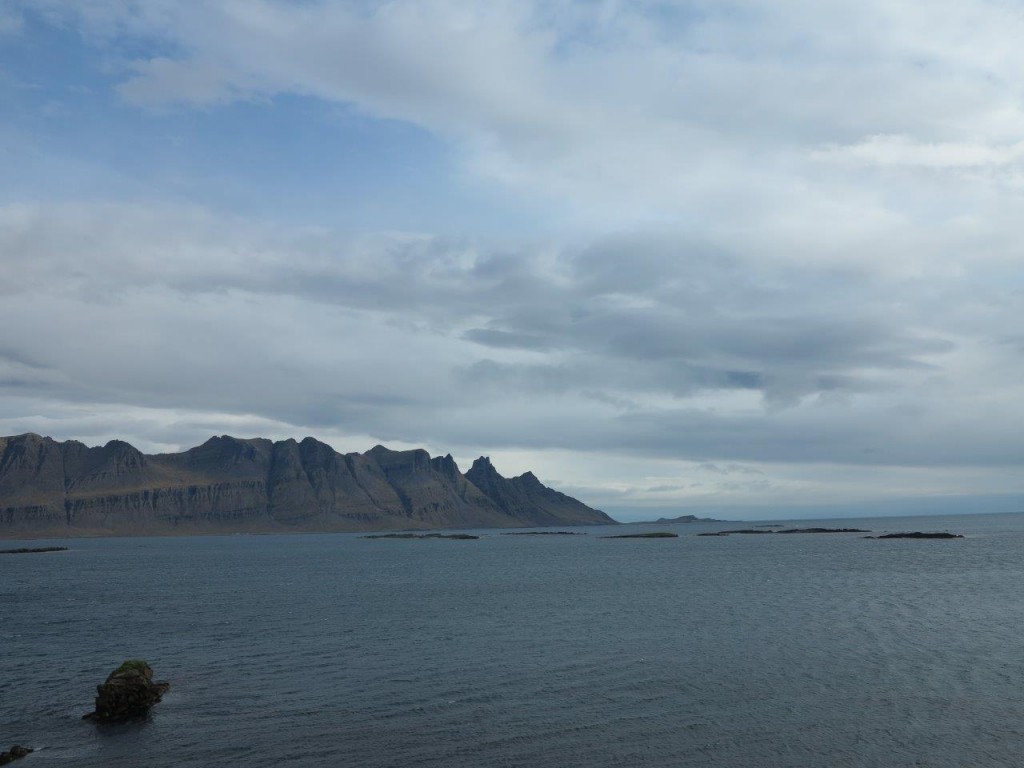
<point>120,446</point>
<point>483,463</point>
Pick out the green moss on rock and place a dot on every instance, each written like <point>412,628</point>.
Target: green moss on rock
<point>133,665</point>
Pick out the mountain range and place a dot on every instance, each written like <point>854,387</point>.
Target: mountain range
<point>230,485</point>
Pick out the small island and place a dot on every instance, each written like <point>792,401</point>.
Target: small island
<point>544,533</point>
<point>31,550</point>
<point>651,535</point>
<point>456,536</point>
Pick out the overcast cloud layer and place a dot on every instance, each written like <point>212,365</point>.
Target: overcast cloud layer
<point>667,255</point>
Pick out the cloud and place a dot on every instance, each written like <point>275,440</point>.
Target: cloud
<point>714,115</point>
<point>420,338</point>
<point>897,151</point>
<point>775,245</point>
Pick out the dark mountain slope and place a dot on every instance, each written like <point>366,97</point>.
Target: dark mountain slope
<point>527,500</point>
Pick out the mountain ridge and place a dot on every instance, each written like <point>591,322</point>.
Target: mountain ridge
<point>255,485</point>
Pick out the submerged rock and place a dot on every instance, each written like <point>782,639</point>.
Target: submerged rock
<point>129,692</point>
<point>13,754</point>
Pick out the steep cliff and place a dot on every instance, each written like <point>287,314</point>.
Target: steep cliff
<point>228,484</point>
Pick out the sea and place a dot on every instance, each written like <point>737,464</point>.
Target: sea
<point>820,650</point>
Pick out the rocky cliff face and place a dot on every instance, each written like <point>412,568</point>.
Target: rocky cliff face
<point>227,485</point>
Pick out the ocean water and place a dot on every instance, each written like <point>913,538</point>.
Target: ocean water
<point>334,650</point>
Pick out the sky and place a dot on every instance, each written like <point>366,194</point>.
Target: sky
<point>727,258</point>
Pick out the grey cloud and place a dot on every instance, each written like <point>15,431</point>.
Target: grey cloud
<point>390,335</point>
<point>503,377</point>
<point>507,339</point>
<point>729,469</point>
<point>21,358</point>
<point>687,339</point>
<point>665,488</point>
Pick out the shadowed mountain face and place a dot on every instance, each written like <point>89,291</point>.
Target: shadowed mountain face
<point>232,485</point>
<point>526,498</point>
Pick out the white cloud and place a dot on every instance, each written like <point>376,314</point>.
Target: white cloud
<point>896,151</point>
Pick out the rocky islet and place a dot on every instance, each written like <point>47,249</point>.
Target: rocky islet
<point>128,693</point>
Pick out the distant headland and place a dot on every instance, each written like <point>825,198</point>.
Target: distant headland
<point>680,519</point>
<point>232,485</point>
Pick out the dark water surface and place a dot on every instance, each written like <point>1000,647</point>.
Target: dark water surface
<point>332,650</point>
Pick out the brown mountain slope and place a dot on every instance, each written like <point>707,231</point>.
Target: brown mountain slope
<point>233,485</point>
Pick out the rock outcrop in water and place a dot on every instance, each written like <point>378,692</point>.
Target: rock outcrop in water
<point>128,693</point>
<point>14,753</point>
<point>917,535</point>
<point>232,485</point>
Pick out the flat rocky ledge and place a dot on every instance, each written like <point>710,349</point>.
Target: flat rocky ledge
<point>28,551</point>
<point>787,530</point>
<point>456,536</point>
<point>544,533</point>
<point>824,530</point>
<point>651,535</point>
<point>918,535</point>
